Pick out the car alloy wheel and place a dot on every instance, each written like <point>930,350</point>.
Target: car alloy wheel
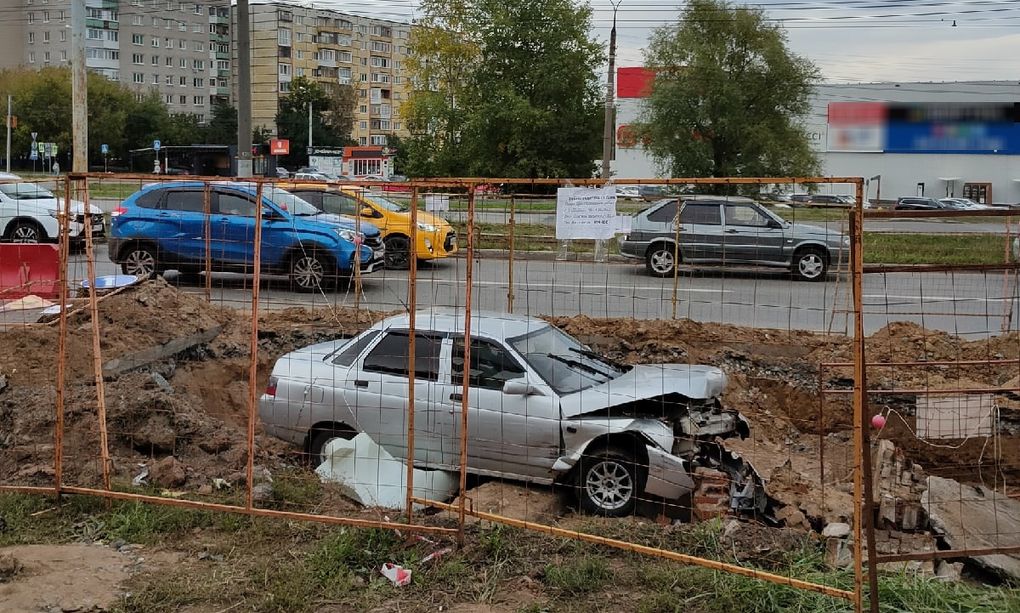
<point>140,262</point>
<point>811,266</point>
<point>25,233</point>
<point>661,261</point>
<point>398,252</point>
<point>307,272</point>
<point>608,483</point>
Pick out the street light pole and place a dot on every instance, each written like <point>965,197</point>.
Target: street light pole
<point>79,90</point>
<point>244,161</point>
<point>610,118</point>
<point>309,132</point>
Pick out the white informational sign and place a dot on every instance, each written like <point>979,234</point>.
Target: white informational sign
<point>584,212</point>
<point>437,202</point>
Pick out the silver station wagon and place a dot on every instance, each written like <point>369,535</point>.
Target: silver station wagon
<point>730,231</point>
<point>542,408</point>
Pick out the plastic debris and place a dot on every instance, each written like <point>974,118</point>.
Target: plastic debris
<point>435,555</point>
<point>140,478</point>
<point>398,575</point>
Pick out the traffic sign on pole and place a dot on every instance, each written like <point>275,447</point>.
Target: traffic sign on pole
<point>104,148</point>
<point>156,144</point>
<point>34,155</point>
<point>35,135</point>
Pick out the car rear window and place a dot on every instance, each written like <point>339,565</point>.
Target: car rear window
<point>352,351</point>
<point>707,214</point>
<point>150,199</point>
<point>664,214</point>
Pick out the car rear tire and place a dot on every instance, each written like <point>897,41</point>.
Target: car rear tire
<point>398,252</point>
<point>310,271</point>
<point>322,438</point>
<point>25,232</point>
<point>140,261</point>
<point>608,483</point>
<point>810,265</point>
<point>660,260</point>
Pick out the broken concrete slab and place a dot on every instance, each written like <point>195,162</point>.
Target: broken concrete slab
<point>975,518</point>
<point>370,475</point>
<point>169,349</point>
<point>836,530</point>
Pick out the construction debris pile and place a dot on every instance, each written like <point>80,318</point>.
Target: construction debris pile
<point>176,373</point>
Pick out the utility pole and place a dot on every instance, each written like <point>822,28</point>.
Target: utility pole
<point>8,134</point>
<point>309,132</point>
<point>610,119</point>
<point>243,34</point>
<point>79,90</point>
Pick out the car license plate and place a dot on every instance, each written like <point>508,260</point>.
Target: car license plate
<point>97,227</point>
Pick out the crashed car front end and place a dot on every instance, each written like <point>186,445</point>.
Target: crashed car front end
<point>675,412</point>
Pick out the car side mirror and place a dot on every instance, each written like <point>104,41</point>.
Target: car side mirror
<point>367,211</point>
<point>520,387</point>
<point>775,225</point>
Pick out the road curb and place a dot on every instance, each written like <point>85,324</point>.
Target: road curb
<point>503,254</point>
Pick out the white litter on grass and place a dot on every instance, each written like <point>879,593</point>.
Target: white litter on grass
<point>371,476</point>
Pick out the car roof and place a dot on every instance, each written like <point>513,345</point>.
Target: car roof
<point>490,324</point>
<point>719,199</point>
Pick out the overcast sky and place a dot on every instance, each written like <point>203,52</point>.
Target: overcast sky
<point>850,40</point>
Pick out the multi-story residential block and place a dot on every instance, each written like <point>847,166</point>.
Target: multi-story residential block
<point>331,47</point>
<point>178,49</point>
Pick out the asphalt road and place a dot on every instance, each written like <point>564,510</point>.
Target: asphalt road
<point>972,304</point>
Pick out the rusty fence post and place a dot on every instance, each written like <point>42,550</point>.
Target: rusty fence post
<point>512,227</point>
<point>207,231</point>
<point>58,430</point>
<point>466,382</point>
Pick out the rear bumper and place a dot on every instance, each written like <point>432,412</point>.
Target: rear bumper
<point>633,249</point>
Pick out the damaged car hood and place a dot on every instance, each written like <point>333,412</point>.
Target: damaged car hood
<point>642,382</point>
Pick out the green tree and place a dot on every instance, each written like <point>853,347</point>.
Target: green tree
<point>727,96</point>
<point>504,89</point>
<point>535,106</point>
<point>332,118</point>
<point>222,128</point>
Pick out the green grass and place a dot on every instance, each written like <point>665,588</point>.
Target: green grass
<point>887,248</point>
<point>112,191</point>
<point>295,567</point>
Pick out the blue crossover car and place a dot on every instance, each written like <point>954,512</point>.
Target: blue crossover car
<point>163,227</point>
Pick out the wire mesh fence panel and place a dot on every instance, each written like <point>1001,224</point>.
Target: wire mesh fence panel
<point>428,354</point>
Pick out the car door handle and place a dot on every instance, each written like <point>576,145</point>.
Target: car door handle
<point>456,396</point>
<point>360,383</point>
<point>224,220</point>
<point>731,231</point>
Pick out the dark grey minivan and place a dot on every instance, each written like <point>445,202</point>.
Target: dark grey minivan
<point>731,231</point>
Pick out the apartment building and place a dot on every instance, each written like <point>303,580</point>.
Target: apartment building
<point>290,41</point>
<point>181,50</point>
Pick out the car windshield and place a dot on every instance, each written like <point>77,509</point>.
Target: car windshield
<point>25,191</point>
<point>563,362</point>
<point>385,203</point>
<point>289,202</point>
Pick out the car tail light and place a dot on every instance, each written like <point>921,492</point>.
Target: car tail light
<point>117,212</point>
<point>271,387</point>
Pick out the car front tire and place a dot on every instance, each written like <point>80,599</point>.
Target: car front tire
<point>310,271</point>
<point>398,252</point>
<point>661,260</point>
<point>608,483</point>
<point>810,265</point>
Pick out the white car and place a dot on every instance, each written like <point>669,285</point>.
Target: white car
<point>541,408</point>
<point>628,191</point>
<point>28,213</point>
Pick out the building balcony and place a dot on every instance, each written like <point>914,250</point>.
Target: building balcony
<point>219,20</point>
<point>223,74</point>
<point>220,38</point>
<point>220,55</point>
<point>222,91</point>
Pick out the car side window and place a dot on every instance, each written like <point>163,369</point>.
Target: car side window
<point>741,215</point>
<point>664,214</point>
<point>491,364</point>
<point>313,198</point>
<point>235,204</point>
<point>350,353</point>
<point>339,204</point>
<point>390,356</point>
<point>705,214</point>
<point>190,201</point>
<point>150,199</point>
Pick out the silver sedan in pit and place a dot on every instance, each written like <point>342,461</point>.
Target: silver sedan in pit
<point>541,408</point>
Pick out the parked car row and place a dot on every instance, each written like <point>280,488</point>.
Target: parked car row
<point>918,203</point>
<point>310,234</point>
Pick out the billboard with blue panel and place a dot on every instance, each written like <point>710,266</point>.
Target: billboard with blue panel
<point>989,129</point>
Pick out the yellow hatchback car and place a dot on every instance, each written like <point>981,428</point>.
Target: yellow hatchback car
<point>436,237</point>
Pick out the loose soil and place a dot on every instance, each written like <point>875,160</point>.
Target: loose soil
<point>72,577</point>
<point>201,416</point>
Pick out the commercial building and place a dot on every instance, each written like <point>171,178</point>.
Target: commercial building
<point>907,139</point>
<point>178,49</point>
<point>334,48</point>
